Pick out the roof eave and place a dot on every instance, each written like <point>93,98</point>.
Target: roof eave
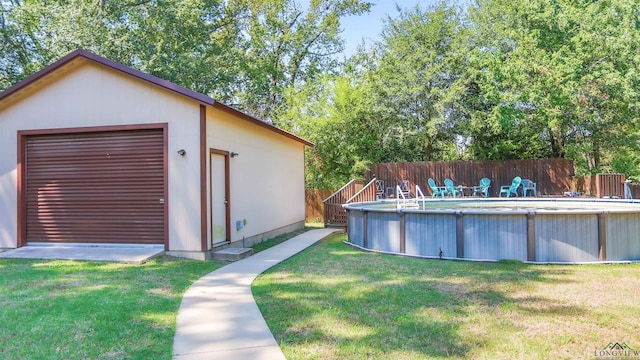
<point>151,79</point>
<point>256,121</point>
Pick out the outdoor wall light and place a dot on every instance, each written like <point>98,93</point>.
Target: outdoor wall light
<point>234,154</point>
<point>181,152</point>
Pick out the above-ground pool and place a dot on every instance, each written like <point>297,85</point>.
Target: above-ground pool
<point>540,230</point>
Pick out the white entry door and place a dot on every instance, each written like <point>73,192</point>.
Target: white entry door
<point>219,197</point>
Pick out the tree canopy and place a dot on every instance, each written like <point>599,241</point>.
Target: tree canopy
<point>500,79</point>
<point>242,52</point>
<point>496,79</point>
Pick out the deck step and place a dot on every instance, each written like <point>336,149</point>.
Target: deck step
<point>232,254</point>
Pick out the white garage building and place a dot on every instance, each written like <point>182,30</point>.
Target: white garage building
<point>92,151</point>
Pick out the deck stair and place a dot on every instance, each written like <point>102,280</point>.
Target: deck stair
<point>334,214</point>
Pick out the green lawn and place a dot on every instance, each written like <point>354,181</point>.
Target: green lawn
<point>335,302</point>
<point>91,310</point>
<point>94,310</point>
<point>330,302</point>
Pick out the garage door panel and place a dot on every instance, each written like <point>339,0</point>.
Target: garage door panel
<point>96,187</point>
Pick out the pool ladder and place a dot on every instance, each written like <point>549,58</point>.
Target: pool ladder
<point>404,202</point>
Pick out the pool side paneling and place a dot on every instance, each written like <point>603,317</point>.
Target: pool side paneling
<point>610,234</point>
<point>495,237</point>
<point>426,235</point>
<point>355,227</point>
<point>566,237</point>
<point>623,232</point>
<point>383,231</point>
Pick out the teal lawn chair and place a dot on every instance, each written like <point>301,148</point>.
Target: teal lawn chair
<point>528,186</point>
<point>483,187</point>
<point>435,189</point>
<point>451,188</point>
<point>511,189</point>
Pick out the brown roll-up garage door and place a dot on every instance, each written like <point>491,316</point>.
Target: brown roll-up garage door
<point>97,187</point>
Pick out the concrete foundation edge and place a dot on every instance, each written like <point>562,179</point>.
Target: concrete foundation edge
<point>247,242</point>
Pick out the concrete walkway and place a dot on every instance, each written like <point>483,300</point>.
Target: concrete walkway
<point>218,317</point>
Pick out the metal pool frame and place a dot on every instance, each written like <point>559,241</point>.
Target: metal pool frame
<point>557,234</point>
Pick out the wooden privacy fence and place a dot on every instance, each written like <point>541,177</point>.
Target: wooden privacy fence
<point>314,208</point>
<point>552,176</point>
<point>605,185</point>
<point>610,185</point>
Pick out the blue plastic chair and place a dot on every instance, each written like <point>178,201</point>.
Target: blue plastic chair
<point>451,188</point>
<point>483,187</point>
<point>511,189</point>
<point>435,189</point>
<point>528,186</point>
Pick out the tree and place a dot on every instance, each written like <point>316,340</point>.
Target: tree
<point>171,39</point>
<point>335,113</point>
<point>245,52</point>
<point>553,78</point>
<point>415,75</point>
<point>281,45</point>
<point>507,79</point>
<point>391,103</point>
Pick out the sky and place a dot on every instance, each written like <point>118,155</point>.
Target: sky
<point>369,25</point>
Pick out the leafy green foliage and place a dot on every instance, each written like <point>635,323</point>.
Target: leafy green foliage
<point>334,114</point>
<point>245,52</point>
<point>414,79</point>
<point>559,76</point>
<point>280,45</point>
<point>391,103</point>
<point>171,39</point>
<point>498,79</point>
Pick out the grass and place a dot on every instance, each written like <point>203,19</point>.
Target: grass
<point>336,302</point>
<point>264,245</point>
<point>330,302</point>
<point>96,310</point>
<point>91,310</point>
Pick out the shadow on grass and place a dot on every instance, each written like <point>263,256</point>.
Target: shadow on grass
<point>337,297</point>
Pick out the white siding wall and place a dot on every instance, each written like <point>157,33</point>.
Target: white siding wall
<point>8,187</point>
<point>96,96</point>
<point>266,179</point>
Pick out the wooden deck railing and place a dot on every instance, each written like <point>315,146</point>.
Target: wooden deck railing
<point>334,214</point>
<point>353,191</point>
<point>367,193</point>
